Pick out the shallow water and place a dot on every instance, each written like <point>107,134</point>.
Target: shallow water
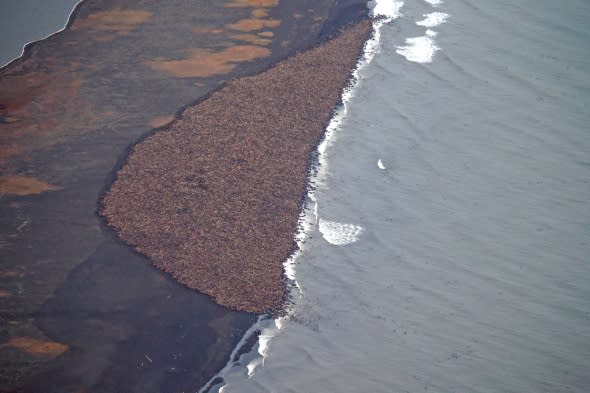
<point>465,159</point>
<point>25,21</point>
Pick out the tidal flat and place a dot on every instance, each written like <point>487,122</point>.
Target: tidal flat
<point>81,311</point>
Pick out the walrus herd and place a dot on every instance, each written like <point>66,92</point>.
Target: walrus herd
<point>214,199</point>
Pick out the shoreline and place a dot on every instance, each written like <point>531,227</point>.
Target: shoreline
<point>245,274</point>
<point>27,47</point>
<point>68,284</point>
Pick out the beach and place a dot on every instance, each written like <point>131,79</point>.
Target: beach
<point>155,166</point>
<point>81,310</point>
<point>215,198</point>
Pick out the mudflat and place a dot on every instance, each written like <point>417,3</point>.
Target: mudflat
<point>80,310</point>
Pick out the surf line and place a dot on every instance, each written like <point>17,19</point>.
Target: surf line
<point>266,327</point>
<point>422,49</point>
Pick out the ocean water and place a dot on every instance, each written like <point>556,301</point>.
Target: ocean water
<point>24,21</point>
<point>447,243</point>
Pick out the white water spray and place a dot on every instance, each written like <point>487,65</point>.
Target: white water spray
<point>383,12</point>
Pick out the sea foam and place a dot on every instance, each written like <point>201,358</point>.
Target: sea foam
<point>422,49</point>
<point>433,19</point>
<point>387,8</point>
<point>339,234</point>
<point>384,11</point>
<point>418,49</point>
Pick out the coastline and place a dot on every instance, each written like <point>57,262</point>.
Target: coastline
<point>170,200</point>
<point>75,297</point>
<point>27,44</point>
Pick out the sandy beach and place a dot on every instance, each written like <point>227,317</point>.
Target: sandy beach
<point>81,311</point>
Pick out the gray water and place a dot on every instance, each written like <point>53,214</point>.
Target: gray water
<point>24,21</point>
<point>472,270</point>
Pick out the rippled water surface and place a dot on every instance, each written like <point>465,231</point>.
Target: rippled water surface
<point>456,191</point>
<point>448,244</point>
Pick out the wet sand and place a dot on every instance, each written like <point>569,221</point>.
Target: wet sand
<point>214,199</point>
<point>79,310</point>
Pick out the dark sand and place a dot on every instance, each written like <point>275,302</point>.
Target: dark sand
<point>214,200</point>
<point>79,309</point>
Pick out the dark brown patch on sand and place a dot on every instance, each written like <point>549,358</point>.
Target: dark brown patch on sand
<point>4,293</point>
<point>43,107</point>
<point>161,121</point>
<point>214,200</point>
<point>118,21</point>
<point>206,62</point>
<point>253,24</point>
<point>24,185</point>
<point>37,347</point>
<point>252,3</point>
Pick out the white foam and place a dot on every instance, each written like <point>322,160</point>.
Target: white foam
<point>422,49</point>
<point>252,366</point>
<point>230,364</point>
<point>264,341</point>
<point>387,8</point>
<point>433,19</point>
<point>384,11</point>
<point>380,164</point>
<point>280,322</point>
<point>418,49</point>
<point>431,33</point>
<point>270,328</point>
<point>316,213</point>
<point>274,327</point>
<point>339,234</point>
